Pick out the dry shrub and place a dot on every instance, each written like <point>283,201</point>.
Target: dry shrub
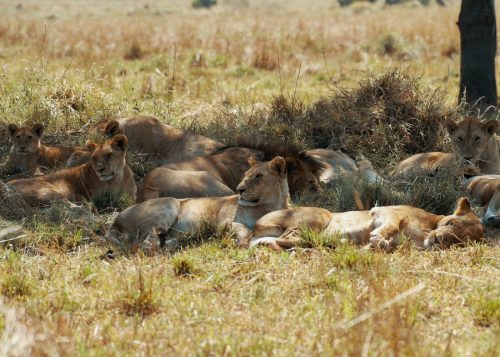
<point>437,193</point>
<point>385,118</point>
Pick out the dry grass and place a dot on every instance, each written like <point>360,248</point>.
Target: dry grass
<point>279,70</point>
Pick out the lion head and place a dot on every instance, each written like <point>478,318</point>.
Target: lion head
<point>108,159</point>
<point>25,140</point>
<point>461,227</point>
<point>265,183</point>
<point>304,172</point>
<point>471,137</point>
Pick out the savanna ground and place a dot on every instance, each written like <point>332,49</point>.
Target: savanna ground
<point>304,72</point>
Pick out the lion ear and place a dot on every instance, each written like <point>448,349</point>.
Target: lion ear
<point>38,129</point>
<point>90,145</point>
<point>252,161</point>
<point>491,126</point>
<point>463,207</point>
<point>278,164</point>
<point>451,126</point>
<point>120,141</point>
<point>112,128</point>
<point>11,129</point>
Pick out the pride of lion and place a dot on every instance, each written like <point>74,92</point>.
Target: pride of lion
<point>247,186</point>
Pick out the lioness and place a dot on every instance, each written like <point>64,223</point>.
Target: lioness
<point>263,189</point>
<point>27,153</point>
<point>474,144</point>
<point>148,135</point>
<point>485,190</point>
<point>106,170</point>
<point>380,226</point>
<point>337,164</point>
<point>218,174</point>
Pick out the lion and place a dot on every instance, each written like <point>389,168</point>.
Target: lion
<point>263,189</point>
<point>379,227</point>
<point>219,174</point>
<point>107,170</point>
<point>148,135</point>
<point>27,153</point>
<point>339,164</point>
<point>474,146</point>
<point>485,190</point>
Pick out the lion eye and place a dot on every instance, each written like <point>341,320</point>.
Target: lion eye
<point>460,139</point>
<point>30,137</point>
<point>477,139</point>
<point>18,136</point>
<point>258,177</point>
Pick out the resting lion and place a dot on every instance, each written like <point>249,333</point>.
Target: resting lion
<point>218,174</point>
<point>263,189</point>
<point>27,153</point>
<point>337,164</point>
<point>485,190</point>
<point>148,135</point>
<point>380,226</point>
<point>474,144</point>
<point>107,169</point>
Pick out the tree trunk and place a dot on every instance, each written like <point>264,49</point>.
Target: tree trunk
<point>478,39</point>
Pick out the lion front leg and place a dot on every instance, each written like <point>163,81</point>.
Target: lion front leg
<point>385,237</point>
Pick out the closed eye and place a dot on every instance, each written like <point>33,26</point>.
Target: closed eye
<point>258,177</point>
<point>18,136</point>
<point>460,139</point>
<point>477,139</point>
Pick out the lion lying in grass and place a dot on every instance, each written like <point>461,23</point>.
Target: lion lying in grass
<point>339,164</point>
<point>263,189</point>
<point>380,226</point>
<point>27,153</point>
<point>486,191</point>
<point>474,143</point>
<point>107,169</point>
<point>148,135</point>
<point>220,173</point>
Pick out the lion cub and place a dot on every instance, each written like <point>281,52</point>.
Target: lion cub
<point>380,226</point>
<point>27,153</point>
<point>474,144</point>
<point>106,169</point>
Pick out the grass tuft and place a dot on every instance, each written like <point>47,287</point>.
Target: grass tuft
<point>183,266</point>
<point>138,298</point>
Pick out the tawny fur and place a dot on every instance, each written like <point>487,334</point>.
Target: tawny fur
<point>474,144</point>
<point>106,170</point>
<point>219,174</point>
<point>263,189</point>
<point>27,153</point>
<point>380,226</point>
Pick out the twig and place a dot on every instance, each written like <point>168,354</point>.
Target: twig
<point>298,76</point>
<point>11,239</point>
<point>384,306</point>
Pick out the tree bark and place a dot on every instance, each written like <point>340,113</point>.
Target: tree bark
<point>478,39</point>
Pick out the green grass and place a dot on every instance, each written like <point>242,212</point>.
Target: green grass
<point>260,69</point>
